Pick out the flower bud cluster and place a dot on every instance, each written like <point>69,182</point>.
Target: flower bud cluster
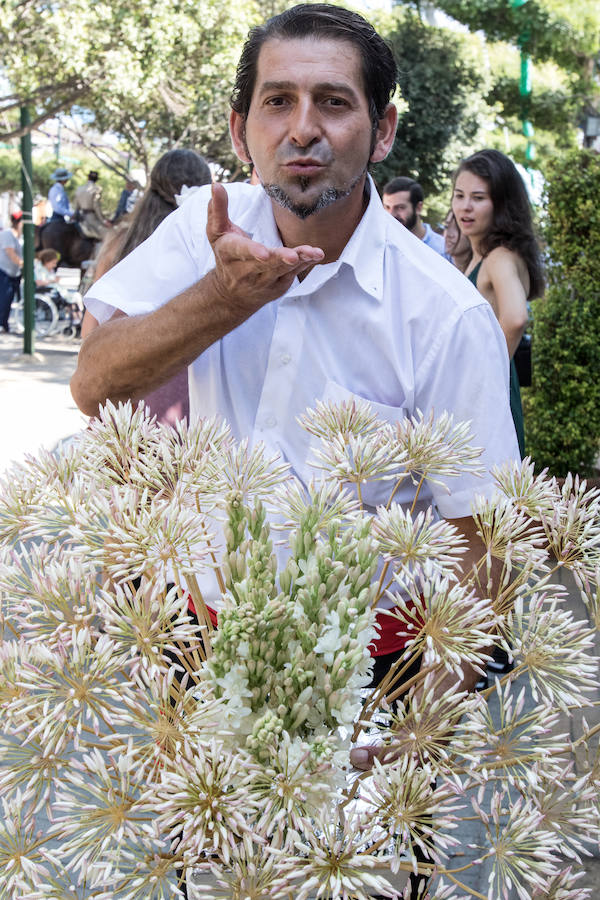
<point>299,657</point>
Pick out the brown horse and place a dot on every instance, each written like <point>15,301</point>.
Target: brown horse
<point>66,239</point>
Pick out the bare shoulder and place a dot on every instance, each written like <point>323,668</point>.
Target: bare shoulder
<point>504,265</point>
<point>503,259</point>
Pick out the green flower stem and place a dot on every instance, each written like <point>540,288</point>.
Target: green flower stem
<point>396,486</point>
<point>417,492</point>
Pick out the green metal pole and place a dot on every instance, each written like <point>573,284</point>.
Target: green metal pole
<point>28,236</point>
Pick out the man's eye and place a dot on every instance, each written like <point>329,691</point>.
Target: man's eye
<point>275,101</point>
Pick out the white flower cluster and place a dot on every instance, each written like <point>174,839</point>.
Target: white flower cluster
<point>160,747</point>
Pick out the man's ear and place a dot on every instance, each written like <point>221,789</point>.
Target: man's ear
<point>385,134</point>
<point>237,130</point>
<point>419,208</point>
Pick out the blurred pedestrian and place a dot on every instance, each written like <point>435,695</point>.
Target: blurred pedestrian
<point>57,196</point>
<point>457,247</point>
<point>127,200</point>
<point>492,209</point>
<point>11,263</point>
<point>174,174</point>
<point>87,208</point>
<point>403,198</point>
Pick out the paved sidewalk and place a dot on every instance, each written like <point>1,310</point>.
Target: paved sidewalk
<point>35,401</point>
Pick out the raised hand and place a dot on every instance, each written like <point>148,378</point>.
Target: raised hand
<point>247,273</point>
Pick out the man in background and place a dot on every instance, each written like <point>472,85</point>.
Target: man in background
<point>127,200</point>
<point>403,199</point>
<point>57,196</point>
<point>88,208</point>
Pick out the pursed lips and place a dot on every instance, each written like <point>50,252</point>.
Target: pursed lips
<point>304,166</point>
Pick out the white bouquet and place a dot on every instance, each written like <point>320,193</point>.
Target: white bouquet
<point>139,745</point>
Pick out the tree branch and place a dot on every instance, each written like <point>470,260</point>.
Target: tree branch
<point>35,123</point>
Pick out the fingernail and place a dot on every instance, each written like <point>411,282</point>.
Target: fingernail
<point>358,756</point>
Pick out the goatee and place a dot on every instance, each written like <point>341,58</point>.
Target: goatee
<point>326,198</point>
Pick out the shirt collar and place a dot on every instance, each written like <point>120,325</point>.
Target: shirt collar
<point>363,253</point>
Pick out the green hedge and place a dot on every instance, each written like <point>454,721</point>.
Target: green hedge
<point>563,420</point>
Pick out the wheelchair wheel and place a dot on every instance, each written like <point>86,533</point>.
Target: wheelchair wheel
<point>46,315</point>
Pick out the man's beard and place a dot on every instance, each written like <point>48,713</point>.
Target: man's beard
<point>410,222</point>
<point>303,210</point>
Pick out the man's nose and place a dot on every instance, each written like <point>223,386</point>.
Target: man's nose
<point>305,128</point>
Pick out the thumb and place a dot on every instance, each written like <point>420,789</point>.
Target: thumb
<point>217,219</point>
<point>362,757</point>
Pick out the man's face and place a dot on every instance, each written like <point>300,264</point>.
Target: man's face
<point>399,206</point>
<point>308,131</point>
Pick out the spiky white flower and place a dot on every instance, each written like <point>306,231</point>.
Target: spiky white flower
<point>157,712</point>
<point>97,811</point>
<point>415,542</point>
<point>423,725</point>
<point>335,860</point>
<point>48,594</point>
<point>555,649</point>
<point>529,492</point>
<point>252,874</point>
<point>70,691</point>
<point>572,526</point>
<point>294,786</point>
<point>25,863</point>
<point>563,887</point>
<point>446,622</point>
<point>515,742</point>
<point>314,508</point>
<point>203,800</point>
<point>570,807</point>
<point>402,797</point>
<point>147,623</point>
<point>328,420</point>
<point>521,849</point>
<point>141,535</point>
<point>507,531</point>
<point>436,447</point>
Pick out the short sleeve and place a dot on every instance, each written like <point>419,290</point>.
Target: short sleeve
<point>163,266</point>
<point>467,373</point>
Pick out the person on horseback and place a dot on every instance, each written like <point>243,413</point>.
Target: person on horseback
<point>88,209</point>
<point>57,196</point>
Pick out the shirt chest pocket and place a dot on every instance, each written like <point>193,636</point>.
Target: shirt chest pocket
<point>374,492</point>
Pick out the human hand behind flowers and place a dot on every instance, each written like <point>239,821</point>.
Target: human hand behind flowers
<point>422,725</point>
<point>446,691</point>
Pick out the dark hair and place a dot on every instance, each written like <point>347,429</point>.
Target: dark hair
<point>174,169</point>
<point>92,176</point>
<point>321,20</point>
<point>47,255</point>
<point>404,183</point>
<point>15,218</point>
<point>512,225</point>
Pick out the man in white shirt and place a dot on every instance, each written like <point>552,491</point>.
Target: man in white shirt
<point>304,288</point>
<point>403,199</point>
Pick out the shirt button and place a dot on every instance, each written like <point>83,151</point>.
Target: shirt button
<point>270,421</point>
<point>285,358</point>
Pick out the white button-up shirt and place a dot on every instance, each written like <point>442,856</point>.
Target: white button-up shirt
<point>390,321</point>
